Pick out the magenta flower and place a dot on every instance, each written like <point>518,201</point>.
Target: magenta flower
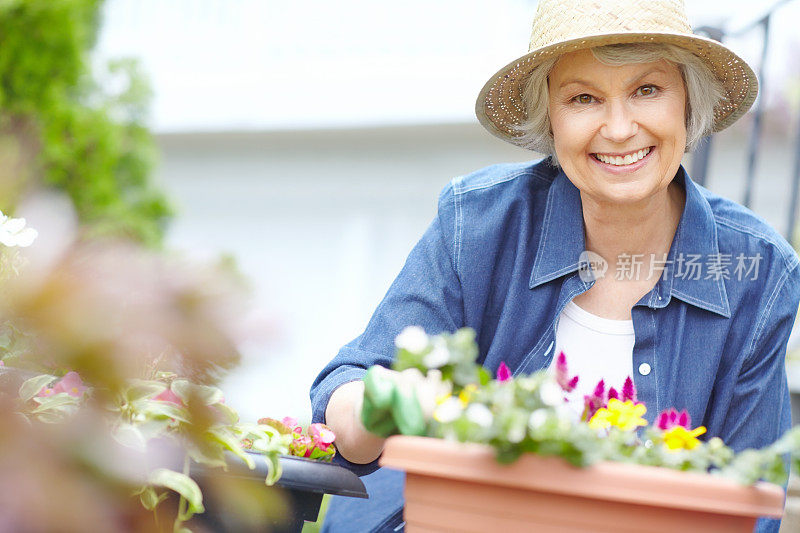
<point>71,383</point>
<point>594,402</point>
<point>612,393</point>
<point>671,418</point>
<point>629,391</point>
<point>567,383</point>
<point>503,373</point>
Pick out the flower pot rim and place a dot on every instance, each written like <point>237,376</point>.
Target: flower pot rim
<point>610,481</point>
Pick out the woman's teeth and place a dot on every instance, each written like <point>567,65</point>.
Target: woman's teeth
<point>622,161</point>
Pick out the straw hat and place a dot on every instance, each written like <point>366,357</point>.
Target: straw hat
<point>562,26</point>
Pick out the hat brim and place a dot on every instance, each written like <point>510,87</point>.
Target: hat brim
<point>500,107</point>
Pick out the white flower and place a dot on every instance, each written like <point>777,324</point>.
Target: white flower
<point>477,413</point>
<point>439,356</point>
<point>412,339</point>
<point>551,393</point>
<point>537,418</point>
<point>14,233</point>
<point>448,410</point>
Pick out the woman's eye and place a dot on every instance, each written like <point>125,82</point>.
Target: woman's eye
<point>583,99</point>
<point>646,90</point>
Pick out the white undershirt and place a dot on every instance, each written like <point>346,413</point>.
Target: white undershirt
<point>596,348</point>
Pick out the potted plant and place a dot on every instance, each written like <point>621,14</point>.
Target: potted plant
<point>508,454</point>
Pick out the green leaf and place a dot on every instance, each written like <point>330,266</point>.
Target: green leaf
<point>141,389</point>
<point>182,484</point>
<point>31,387</point>
<point>159,409</point>
<point>229,441</point>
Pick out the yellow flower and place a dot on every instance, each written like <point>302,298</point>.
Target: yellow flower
<point>625,415</point>
<point>466,393</point>
<point>679,438</point>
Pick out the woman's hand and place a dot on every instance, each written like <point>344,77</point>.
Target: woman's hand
<point>385,403</point>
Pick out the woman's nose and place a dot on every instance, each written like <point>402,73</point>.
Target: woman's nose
<point>619,123</point>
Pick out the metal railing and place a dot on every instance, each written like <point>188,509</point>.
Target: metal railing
<point>702,155</point>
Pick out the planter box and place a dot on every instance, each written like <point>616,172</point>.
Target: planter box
<point>461,487</point>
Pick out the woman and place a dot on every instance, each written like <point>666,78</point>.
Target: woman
<point>698,294</point>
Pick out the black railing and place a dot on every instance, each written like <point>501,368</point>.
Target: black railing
<point>702,155</point>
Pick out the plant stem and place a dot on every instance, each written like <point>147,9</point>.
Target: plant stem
<point>182,503</point>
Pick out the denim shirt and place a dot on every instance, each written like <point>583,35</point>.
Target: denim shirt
<point>503,256</point>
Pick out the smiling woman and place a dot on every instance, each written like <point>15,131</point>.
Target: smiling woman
<point>700,294</point>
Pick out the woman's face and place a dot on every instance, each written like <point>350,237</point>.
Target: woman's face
<point>619,131</point>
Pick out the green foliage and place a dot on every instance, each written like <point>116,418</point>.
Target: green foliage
<point>89,143</point>
<point>527,414</point>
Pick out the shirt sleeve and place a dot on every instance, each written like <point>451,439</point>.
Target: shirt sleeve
<point>760,410</point>
<point>426,293</point>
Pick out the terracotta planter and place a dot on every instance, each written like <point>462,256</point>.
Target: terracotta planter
<point>461,487</point>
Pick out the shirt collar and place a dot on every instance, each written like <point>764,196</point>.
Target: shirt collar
<point>562,241</point>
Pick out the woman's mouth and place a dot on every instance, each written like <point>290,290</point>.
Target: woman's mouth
<point>623,162</point>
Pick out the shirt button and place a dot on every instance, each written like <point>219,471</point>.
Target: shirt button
<point>644,369</point>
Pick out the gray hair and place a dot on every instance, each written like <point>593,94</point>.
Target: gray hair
<point>703,91</point>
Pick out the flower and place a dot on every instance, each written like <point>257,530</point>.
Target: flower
<point>551,394</point>
<point>71,384</point>
<point>612,393</point>
<point>629,390</point>
<point>168,396</point>
<point>438,357</point>
<point>562,374</point>
<point>412,339</point>
<point>503,373</point>
<point>594,402</point>
<point>14,233</point>
<point>625,415</point>
<point>681,438</point>
<point>479,414</point>
<point>448,410</point>
<point>321,435</point>
<point>292,424</point>
<point>670,418</point>
<point>466,393</point>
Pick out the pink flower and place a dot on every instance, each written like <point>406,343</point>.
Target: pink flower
<point>169,396</point>
<point>292,424</point>
<point>321,434</point>
<point>671,418</point>
<point>503,373</point>
<point>612,393</point>
<point>629,391</point>
<point>562,374</point>
<point>71,383</point>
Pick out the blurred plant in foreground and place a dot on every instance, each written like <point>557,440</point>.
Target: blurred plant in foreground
<point>107,392</point>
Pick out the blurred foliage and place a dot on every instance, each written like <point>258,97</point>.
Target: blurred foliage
<point>57,124</point>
